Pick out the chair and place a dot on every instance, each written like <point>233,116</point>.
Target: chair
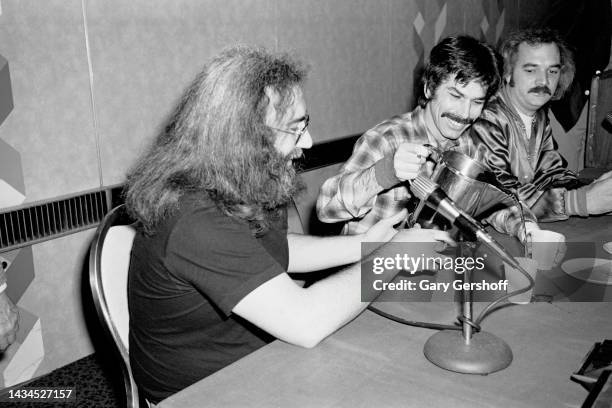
<point>109,259</point>
<point>599,125</point>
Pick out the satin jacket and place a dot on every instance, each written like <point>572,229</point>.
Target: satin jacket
<point>533,168</point>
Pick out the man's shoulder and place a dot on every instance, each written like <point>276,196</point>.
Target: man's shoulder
<point>496,111</point>
<point>395,120</point>
<point>196,201</point>
<point>199,214</point>
<point>198,223</point>
<point>400,126</point>
<point>494,105</point>
<point>198,211</point>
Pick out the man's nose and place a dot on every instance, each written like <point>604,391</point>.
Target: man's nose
<point>305,141</point>
<point>542,79</point>
<point>464,110</point>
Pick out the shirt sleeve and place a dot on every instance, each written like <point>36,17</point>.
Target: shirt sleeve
<point>219,257</point>
<point>552,174</point>
<point>367,172</point>
<point>575,202</point>
<point>551,170</point>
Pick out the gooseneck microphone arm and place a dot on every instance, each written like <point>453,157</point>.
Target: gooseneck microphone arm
<point>430,193</point>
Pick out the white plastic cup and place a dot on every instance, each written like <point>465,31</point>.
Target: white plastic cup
<point>516,280</point>
<point>546,247</point>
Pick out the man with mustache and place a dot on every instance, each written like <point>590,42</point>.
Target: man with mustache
<point>208,280</point>
<point>514,126</point>
<point>461,75</point>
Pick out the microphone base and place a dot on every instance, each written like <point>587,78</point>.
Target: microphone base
<point>486,353</point>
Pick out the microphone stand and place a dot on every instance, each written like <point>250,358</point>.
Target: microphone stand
<point>468,351</point>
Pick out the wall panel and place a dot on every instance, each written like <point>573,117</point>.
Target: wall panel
<point>347,45</point>
<point>50,127</point>
<point>50,124</point>
<point>56,296</point>
<point>141,69</point>
<point>405,59</point>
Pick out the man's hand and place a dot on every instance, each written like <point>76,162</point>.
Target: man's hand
<point>418,234</point>
<point>383,230</point>
<point>550,205</point>
<point>9,321</point>
<point>599,195</point>
<point>408,159</point>
<point>421,242</point>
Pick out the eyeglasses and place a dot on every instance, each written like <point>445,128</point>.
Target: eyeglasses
<point>297,133</point>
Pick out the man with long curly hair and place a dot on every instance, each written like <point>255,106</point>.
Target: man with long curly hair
<point>208,278</point>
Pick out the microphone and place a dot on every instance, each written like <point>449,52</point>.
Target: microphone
<point>432,195</point>
<point>465,352</point>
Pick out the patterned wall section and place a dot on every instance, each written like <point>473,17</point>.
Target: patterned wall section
<point>493,21</point>
<point>20,361</point>
<point>430,23</point>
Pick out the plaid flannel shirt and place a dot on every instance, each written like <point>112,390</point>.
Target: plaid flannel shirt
<point>370,168</point>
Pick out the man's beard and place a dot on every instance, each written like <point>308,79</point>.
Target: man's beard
<point>284,183</point>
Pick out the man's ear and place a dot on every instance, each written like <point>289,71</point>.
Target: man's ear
<point>273,97</point>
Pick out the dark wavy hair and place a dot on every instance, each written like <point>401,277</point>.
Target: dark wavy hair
<point>217,142</point>
<point>537,36</point>
<point>465,57</point>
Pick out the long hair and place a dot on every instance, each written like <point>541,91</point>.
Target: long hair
<point>466,58</point>
<point>217,142</point>
<point>537,36</point>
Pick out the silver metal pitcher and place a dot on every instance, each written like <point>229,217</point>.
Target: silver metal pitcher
<point>468,183</point>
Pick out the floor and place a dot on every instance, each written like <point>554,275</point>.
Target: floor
<point>96,381</point>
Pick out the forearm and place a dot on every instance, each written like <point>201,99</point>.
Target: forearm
<point>557,204</point>
<point>309,253</point>
<point>550,172</point>
<point>305,316</point>
<point>348,294</point>
<point>348,195</point>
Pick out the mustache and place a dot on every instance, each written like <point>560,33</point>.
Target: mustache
<point>465,121</point>
<point>296,154</point>
<point>540,89</point>
<point>297,158</point>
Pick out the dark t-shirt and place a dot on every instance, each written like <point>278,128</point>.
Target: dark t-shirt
<point>183,283</point>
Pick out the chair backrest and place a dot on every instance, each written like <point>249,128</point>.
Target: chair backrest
<point>109,260</point>
<point>599,127</point>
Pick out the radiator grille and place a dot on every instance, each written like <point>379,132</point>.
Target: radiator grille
<point>43,221</point>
